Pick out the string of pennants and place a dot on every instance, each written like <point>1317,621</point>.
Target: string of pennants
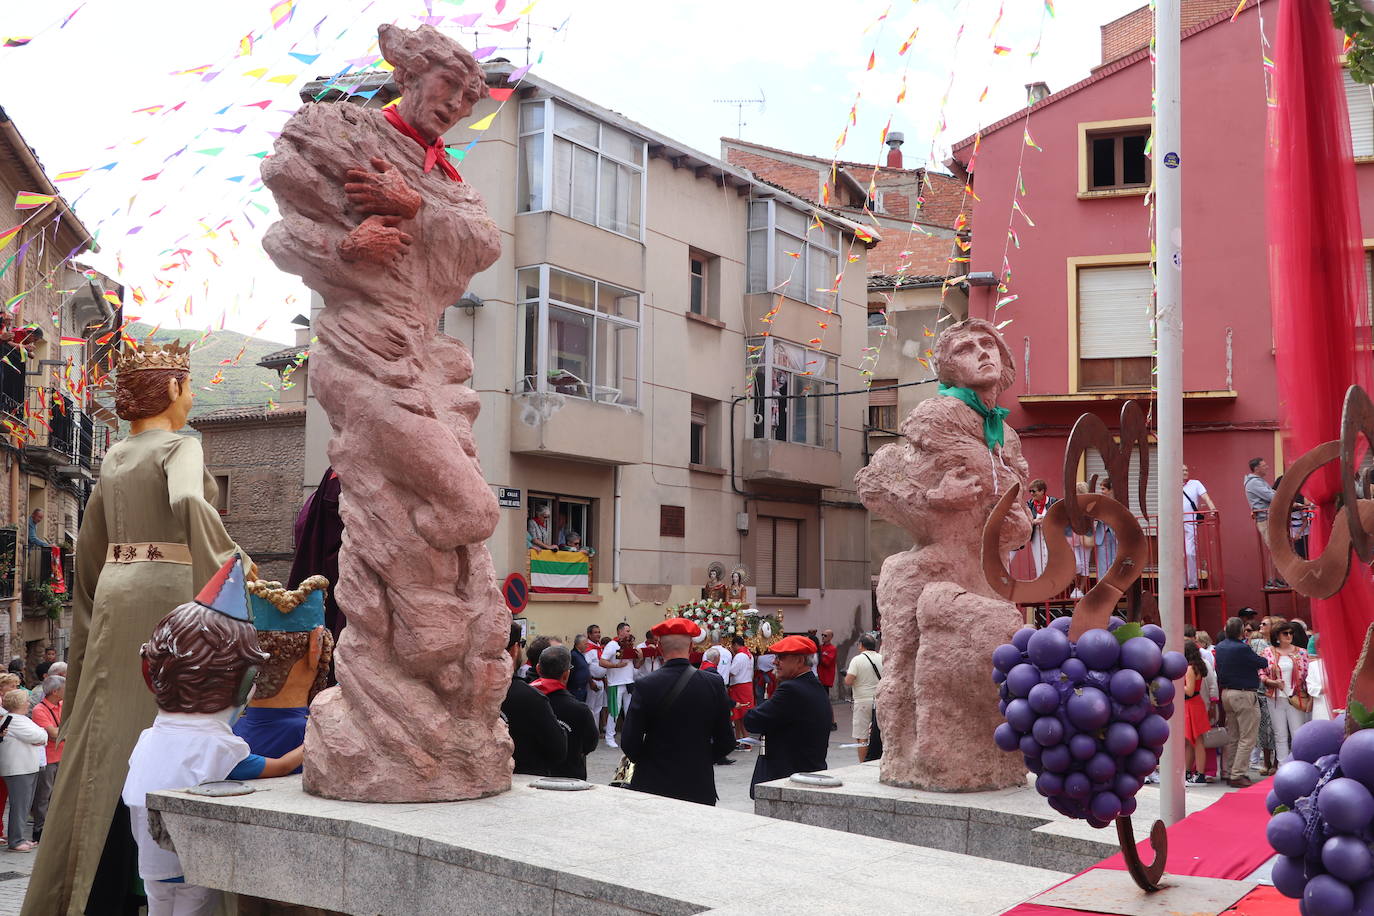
<point>271,59</point>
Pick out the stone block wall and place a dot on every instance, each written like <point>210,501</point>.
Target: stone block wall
<point>262,454</point>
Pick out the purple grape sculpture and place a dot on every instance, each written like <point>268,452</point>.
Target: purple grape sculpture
<point>1323,818</point>
<point>1090,717</point>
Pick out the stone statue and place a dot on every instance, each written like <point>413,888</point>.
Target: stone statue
<point>377,220</point>
<point>936,706</point>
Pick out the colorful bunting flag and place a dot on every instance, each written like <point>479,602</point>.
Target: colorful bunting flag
<point>32,200</point>
<point>283,10</point>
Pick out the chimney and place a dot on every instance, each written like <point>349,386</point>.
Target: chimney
<point>1036,91</point>
<point>894,149</point>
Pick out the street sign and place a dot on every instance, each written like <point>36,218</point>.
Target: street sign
<point>508,497</point>
<point>516,591</point>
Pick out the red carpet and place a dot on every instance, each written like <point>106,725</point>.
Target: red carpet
<point>1224,840</point>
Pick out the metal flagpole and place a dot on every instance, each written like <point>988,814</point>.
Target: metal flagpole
<point>1168,161</point>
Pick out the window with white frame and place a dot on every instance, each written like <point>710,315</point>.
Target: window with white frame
<point>1359,106</point>
<point>792,254</point>
<point>794,393</point>
<point>577,336</point>
<point>573,164</point>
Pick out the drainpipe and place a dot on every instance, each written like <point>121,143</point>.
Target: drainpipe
<point>615,534</point>
<point>820,517</point>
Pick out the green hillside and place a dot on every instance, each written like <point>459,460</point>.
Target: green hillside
<point>244,385</point>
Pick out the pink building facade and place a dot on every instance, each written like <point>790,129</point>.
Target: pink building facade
<point>1079,326</point>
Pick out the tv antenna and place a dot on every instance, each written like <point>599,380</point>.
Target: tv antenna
<point>761,101</point>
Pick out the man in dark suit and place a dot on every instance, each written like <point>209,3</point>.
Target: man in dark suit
<point>795,721</point>
<point>555,664</point>
<point>678,723</point>
<point>541,741</point>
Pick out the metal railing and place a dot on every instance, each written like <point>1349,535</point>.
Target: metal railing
<point>1203,568</point>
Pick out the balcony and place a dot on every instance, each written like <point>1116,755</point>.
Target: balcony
<point>553,425</point>
<point>62,437</point>
<point>789,464</point>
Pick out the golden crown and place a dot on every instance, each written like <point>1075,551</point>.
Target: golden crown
<point>155,356</point>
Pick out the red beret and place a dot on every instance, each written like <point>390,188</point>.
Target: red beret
<point>676,626</point>
<point>790,645</point>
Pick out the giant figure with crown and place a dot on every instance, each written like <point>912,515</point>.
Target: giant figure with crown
<point>150,539</point>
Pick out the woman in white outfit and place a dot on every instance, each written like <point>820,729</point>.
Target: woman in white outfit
<point>1290,705</point>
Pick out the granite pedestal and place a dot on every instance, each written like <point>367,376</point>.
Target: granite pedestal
<point>1008,825</point>
<point>599,852</point>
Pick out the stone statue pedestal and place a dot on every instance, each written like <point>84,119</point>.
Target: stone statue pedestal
<point>499,855</point>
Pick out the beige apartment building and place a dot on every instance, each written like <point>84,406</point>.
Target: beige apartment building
<point>645,294</point>
<point>54,335</point>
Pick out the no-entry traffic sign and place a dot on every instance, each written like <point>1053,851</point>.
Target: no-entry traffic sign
<point>516,591</point>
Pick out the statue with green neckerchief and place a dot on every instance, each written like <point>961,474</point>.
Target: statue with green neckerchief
<point>940,618</point>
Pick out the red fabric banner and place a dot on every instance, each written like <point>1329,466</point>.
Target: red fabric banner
<point>1316,273</point>
<point>59,581</point>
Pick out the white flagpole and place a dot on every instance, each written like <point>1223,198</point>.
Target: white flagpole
<point>1168,163</point>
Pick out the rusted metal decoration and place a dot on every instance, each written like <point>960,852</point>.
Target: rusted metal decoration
<point>1323,576</point>
<point>1094,610</point>
<point>1146,877</point>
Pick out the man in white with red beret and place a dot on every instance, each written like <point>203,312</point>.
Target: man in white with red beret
<point>678,723</point>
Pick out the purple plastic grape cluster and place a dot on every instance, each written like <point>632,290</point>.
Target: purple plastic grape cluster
<point>1090,717</point>
<point>1323,813</point>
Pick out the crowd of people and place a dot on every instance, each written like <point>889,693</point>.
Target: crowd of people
<point>677,704</point>
<point>29,748</point>
<point>1259,683</point>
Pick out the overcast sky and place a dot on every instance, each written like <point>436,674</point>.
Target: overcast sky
<point>183,178</point>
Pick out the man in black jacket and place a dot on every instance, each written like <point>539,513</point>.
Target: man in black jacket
<point>795,721</point>
<point>678,723</point>
<point>555,664</point>
<point>541,741</point>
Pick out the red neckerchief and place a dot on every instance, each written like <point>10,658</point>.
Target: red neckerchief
<point>1038,505</point>
<point>434,152</point>
<point>707,666</point>
<point>547,685</point>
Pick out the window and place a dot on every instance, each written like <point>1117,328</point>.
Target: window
<point>672,521</point>
<point>777,556</point>
<point>577,336</point>
<point>1359,106</point>
<point>568,515</point>
<point>877,316</point>
<point>793,391</point>
<point>882,405</point>
<point>575,165</point>
<point>792,254</point>
<point>697,281</point>
<point>1116,159</point>
<point>222,499</point>
<point>1115,336</point>
<point>705,432</point>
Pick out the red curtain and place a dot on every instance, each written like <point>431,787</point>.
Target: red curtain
<point>1316,271</point>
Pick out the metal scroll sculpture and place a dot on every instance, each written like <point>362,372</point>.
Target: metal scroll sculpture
<point>1352,527</point>
<point>1094,610</point>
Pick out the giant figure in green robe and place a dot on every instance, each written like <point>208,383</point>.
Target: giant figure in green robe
<point>150,538</point>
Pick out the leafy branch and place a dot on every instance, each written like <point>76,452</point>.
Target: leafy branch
<point>1357,22</point>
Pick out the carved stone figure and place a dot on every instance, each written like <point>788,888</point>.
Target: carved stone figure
<point>376,219</point>
<point>941,620</point>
